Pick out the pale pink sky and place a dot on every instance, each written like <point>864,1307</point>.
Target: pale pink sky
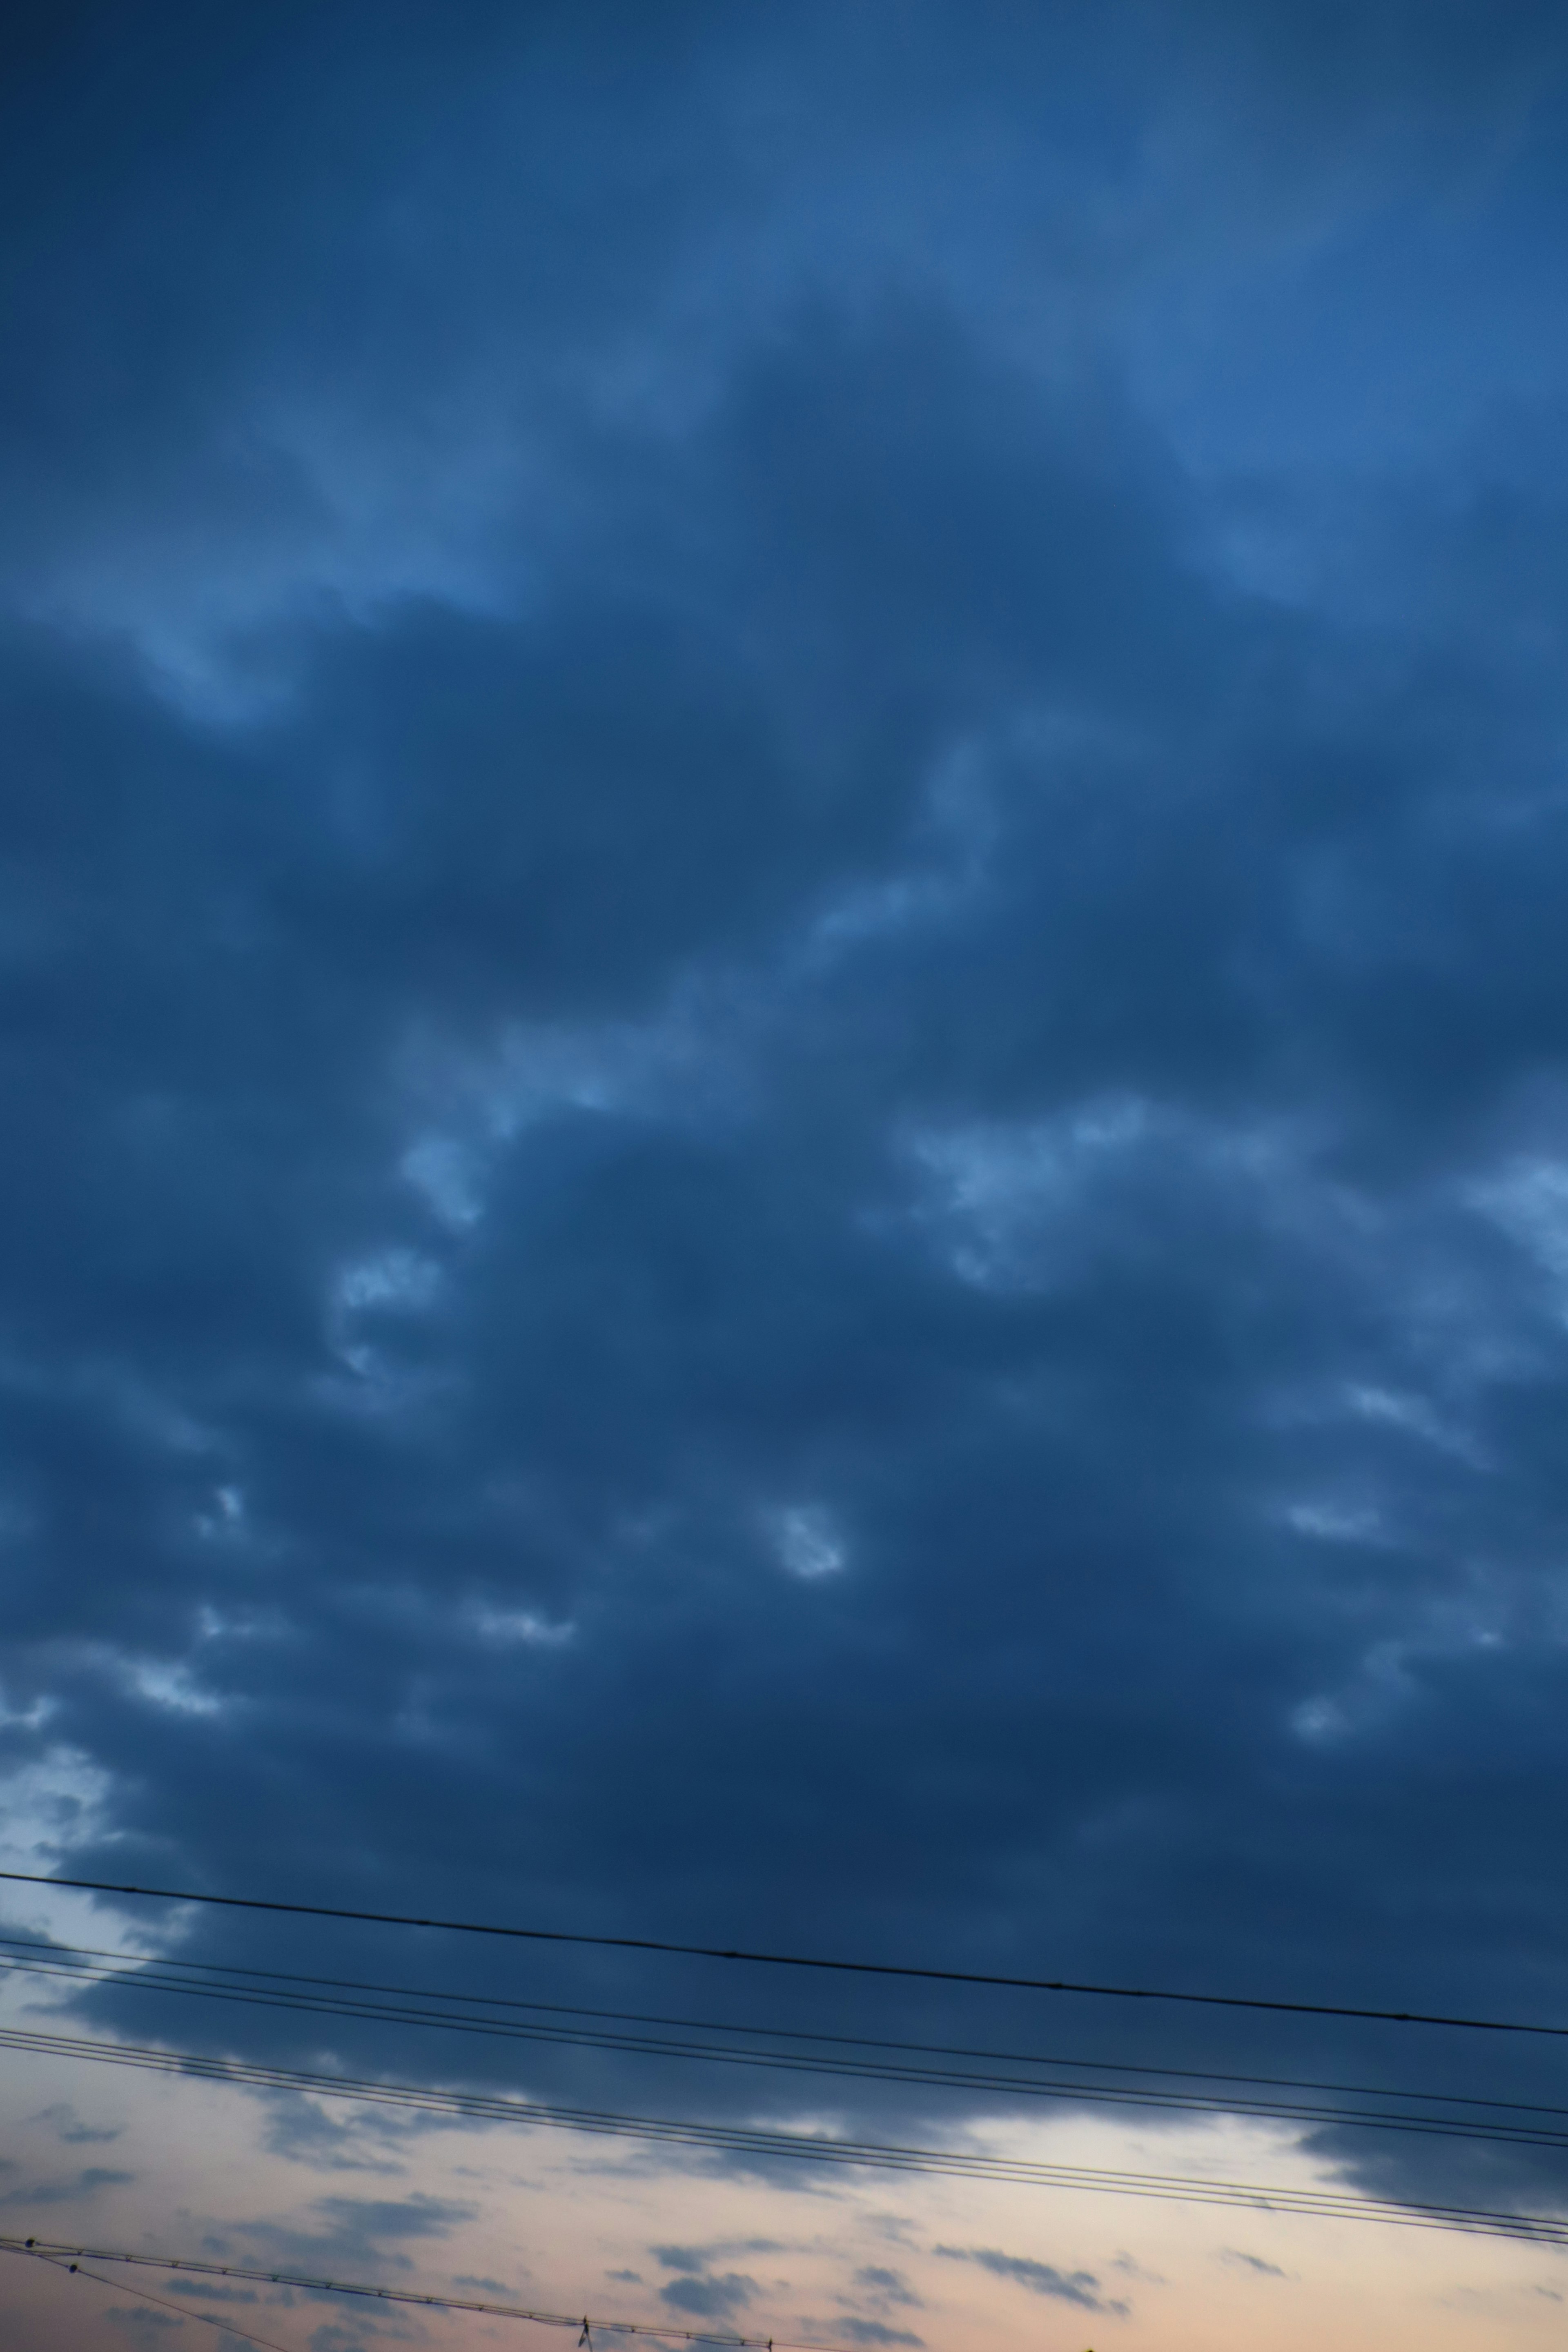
<point>551,2216</point>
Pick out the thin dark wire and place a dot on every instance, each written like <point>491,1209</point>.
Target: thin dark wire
<point>49,2251</point>
<point>754,2142</point>
<point>1493,2134</point>
<point>790,1960</point>
<point>124,2286</point>
<point>132,1969</point>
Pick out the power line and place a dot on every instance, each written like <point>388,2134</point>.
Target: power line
<point>791,1959</point>
<point>56,2262</point>
<point>317,2002</point>
<point>132,1969</point>
<point>47,2251</point>
<point>757,2144</point>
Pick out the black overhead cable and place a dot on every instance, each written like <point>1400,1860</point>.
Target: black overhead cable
<point>58,2262</point>
<point>753,2142</point>
<point>133,1969</point>
<point>64,1965</point>
<point>789,1960</point>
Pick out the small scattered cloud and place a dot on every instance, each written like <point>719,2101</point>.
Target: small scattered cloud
<point>700,2291</point>
<point>898,2228</point>
<point>808,1543</point>
<point>303,2132</point>
<point>1233,2257</point>
<point>873,2331</point>
<point>93,2176</point>
<point>625,2278</point>
<point>888,2287</point>
<point>70,2130</point>
<point>375,2218</point>
<point>1080,2288</point>
<point>354,2230</point>
<point>702,2258</point>
<point>710,2296</point>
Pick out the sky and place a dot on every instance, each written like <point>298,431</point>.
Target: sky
<point>786,1074</point>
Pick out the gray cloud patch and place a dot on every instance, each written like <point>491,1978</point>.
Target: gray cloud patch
<point>708,2295</point>
<point>893,2286</point>
<point>85,2183</point>
<point>371,2219</point>
<point>1080,2287</point>
<point>72,2132</point>
<point>1254,2262</point>
<point>701,2290</point>
<point>349,2230</point>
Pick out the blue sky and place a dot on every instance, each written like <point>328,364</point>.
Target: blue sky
<point>781,880</point>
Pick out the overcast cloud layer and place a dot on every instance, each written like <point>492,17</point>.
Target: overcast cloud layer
<point>786,1020</point>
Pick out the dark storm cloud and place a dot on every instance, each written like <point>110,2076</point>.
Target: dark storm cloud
<point>813,1196</point>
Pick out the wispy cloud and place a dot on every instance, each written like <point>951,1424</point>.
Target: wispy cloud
<point>1080,2288</point>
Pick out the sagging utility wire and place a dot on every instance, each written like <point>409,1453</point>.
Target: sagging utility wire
<point>56,2262</point>
<point>757,2145</point>
<point>1491,2121</point>
<point>790,1960</point>
<point>169,1972</point>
